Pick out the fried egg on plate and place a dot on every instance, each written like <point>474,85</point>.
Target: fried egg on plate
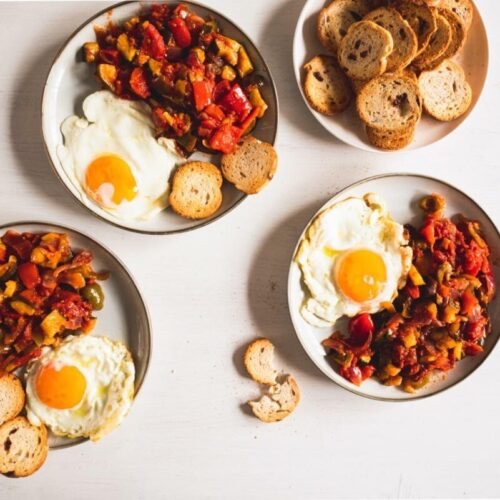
<point>82,388</point>
<point>113,157</point>
<point>353,258</point>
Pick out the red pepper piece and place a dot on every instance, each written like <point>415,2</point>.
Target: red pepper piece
<point>19,243</point>
<point>469,302</point>
<point>139,84</point>
<point>28,272</point>
<point>202,91</point>
<point>180,31</point>
<point>353,374</point>
<point>367,371</point>
<point>413,291</point>
<point>361,329</point>
<point>109,56</point>
<point>152,43</point>
<point>225,138</point>
<point>237,102</point>
<point>427,232</point>
<point>251,117</point>
<point>214,111</point>
<point>220,90</point>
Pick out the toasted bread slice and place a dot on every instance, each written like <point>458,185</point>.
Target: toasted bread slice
<point>196,190</point>
<point>404,38</point>
<point>23,447</point>
<point>446,94</point>
<point>462,8</point>
<point>280,401</point>
<point>258,360</point>
<point>438,44</point>
<point>420,17</point>
<point>363,52</point>
<point>251,165</point>
<point>391,140</point>
<point>390,103</point>
<point>12,397</point>
<point>335,19</point>
<point>326,86</point>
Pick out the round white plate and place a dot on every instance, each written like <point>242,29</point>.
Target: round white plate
<point>347,126</point>
<point>402,193</point>
<point>70,80</point>
<point>124,316</point>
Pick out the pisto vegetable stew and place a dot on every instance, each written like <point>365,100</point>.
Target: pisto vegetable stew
<point>438,318</point>
<point>47,291</point>
<point>200,83</point>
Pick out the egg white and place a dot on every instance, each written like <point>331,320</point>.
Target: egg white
<point>351,224</point>
<point>123,128</point>
<point>109,372</point>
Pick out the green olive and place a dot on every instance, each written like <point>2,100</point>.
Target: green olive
<point>94,295</point>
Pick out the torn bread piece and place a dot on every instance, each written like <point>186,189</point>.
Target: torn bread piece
<point>258,360</point>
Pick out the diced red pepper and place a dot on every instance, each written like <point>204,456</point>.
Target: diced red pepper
<point>237,102</point>
<point>427,232</point>
<point>182,11</point>
<point>220,90</point>
<point>469,302</point>
<point>214,111</point>
<point>139,83</point>
<point>413,291</point>
<point>180,31</point>
<point>472,349</point>
<point>19,243</point>
<point>251,117</point>
<point>353,374</point>
<point>109,56</point>
<point>361,328</point>
<point>202,92</point>
<point>225,138</point>
<point>367,371</point>
<point>473,262</point>
<point>152,43</point>
<point>28,272</point>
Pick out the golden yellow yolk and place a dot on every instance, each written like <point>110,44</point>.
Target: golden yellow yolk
<point>109,180</point>
<point>60,388</point>
<point>361,275</point>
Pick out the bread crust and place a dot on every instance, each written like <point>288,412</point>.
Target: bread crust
<point>437,46</point>
<point>12,397</point>
<point>390,141</point>
<point>196,190</point>
<point>462,8</point>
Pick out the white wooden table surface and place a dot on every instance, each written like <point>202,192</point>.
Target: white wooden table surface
<point>212,290</point>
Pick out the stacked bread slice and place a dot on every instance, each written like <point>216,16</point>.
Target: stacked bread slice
<point>394,56</point>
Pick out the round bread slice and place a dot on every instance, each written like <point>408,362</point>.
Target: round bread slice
<point>446,94</point>
<point>196,190</point>
<point>334,21</point>
<point>364,50</point>
<point>390,103</point>
<point>437,46</point>
<point>391,140</point>
<point>326,86</point>
<point>23,447</point>
<point>404,38</point>
<point>251,165</point>
<point>12,397</point>
<point>462,8</point>
<point>420,17</point>
<point>258,361</point>
<point>279,403</point>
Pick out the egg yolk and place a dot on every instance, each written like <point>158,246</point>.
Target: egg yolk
<point>61,388</point>
<point>361,275</point>
<point>109,181</point>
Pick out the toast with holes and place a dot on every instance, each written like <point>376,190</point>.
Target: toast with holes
<point>196,190</point>
<point>403,37</point>
<point>335,19</point>
<point>446,94</point>
<point>364,51</point>
<point>326,86</point>
<point>23,447</point>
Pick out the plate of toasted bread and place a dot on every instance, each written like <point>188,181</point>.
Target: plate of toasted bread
<point>386,75</point>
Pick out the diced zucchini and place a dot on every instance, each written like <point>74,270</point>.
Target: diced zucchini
<point>125,47</point>
<point>228,73</point>
<point>90,51</point>
<point>53,324</point>
<point>415,276</point>
<point>228,49</point>
<point>108,74</point>
<point>155,67</point>
<point>22,308</point>
<point>245,65</point>
<point>258,101</point>
<point>10,288</point>
<point>199,53</point>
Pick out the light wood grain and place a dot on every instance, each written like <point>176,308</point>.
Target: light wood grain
<point>212,290</point>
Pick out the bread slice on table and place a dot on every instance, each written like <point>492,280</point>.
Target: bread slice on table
<point>420,17</point>
<point>196,190</point>
<point>280,401</point>
<point>12,397</point>
<point>363,52</point>
<point>334,21</point>
<point>438,44</point>
<point>462,8</point>
<point>446,94</point>
<point>251,165</point>
<point>391,140</point>
<point>258,361</point>
<point>404,38</point>
<point>326,86</point>
<point>23,447</point>
<point>390,103</point>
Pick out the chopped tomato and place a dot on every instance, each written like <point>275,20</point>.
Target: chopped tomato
<point>139,84</point>
<point>109,56</point>
<point>225,138</point>
<point>202,92</point>
<point>29,275</point>
<point>152,42</point>
<point>180,31</point>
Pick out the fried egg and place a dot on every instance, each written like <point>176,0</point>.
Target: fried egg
<point>82,388</point>
<point>113,158</point>
<point>353,258</point>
